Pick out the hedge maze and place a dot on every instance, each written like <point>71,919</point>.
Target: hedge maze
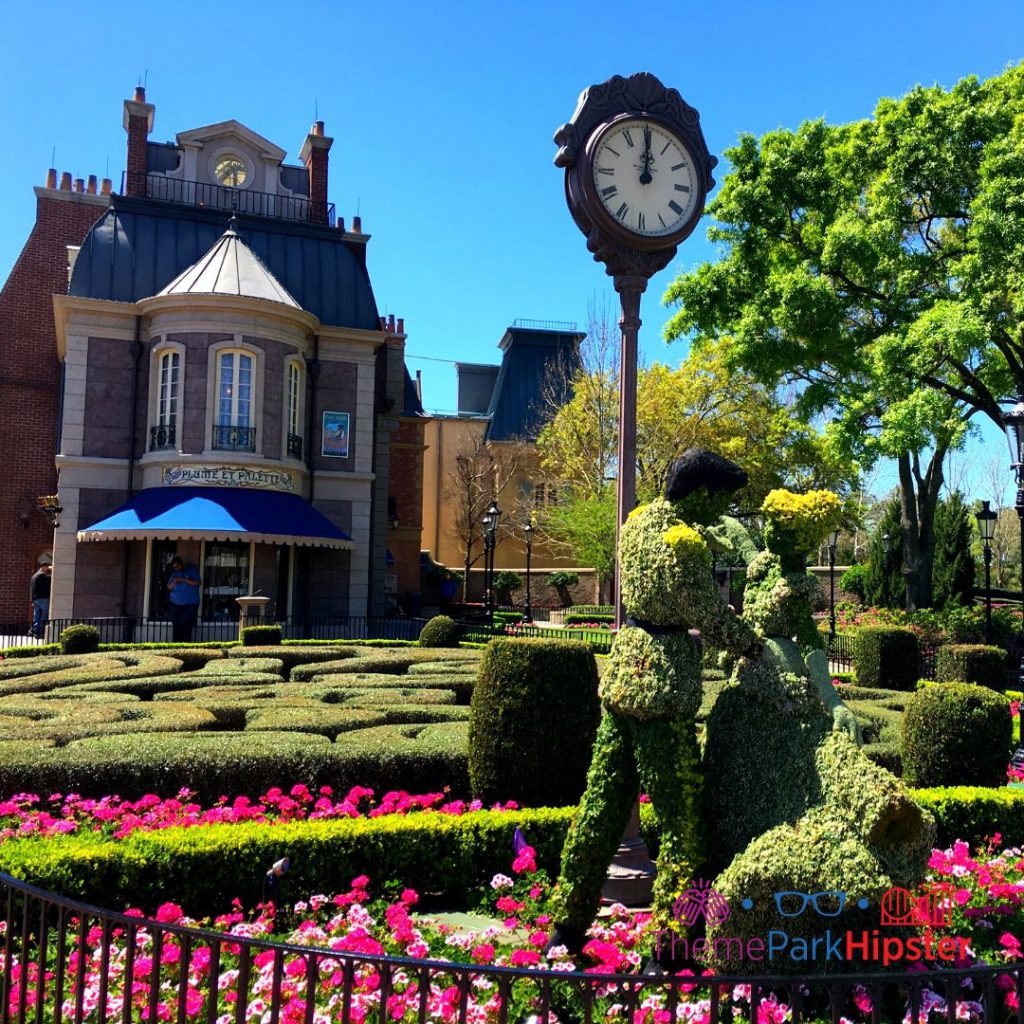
<point>236,721</point>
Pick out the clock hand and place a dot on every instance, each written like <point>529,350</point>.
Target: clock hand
<point>645,174</point>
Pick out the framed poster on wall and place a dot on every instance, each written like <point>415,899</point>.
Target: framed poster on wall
<point>335,435</point>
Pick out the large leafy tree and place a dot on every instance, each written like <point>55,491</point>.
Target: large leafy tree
<point>878,265</point>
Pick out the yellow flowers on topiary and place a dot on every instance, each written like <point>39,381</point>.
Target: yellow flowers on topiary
<point>795,524</point>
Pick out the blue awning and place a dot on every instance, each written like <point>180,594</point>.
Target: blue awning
<point>218,513</point>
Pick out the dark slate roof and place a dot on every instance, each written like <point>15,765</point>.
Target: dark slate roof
<point>411,404</point>
<point>530,355</point>
<point>139,246</point>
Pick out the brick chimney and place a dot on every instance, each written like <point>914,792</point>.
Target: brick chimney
<point>314,155</point>
<point>138,123</point>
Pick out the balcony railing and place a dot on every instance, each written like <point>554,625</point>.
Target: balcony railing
<point>295,446</point>
<point>241,200</point>
<point>163,437</point>
<point>234,439</point>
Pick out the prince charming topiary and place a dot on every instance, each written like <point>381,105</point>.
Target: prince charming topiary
<point>651,690</point>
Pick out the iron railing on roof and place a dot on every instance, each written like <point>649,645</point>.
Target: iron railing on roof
<point>241,200</point>
<point>568,326</point>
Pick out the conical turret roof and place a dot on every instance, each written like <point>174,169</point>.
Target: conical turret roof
<point>230,268</point>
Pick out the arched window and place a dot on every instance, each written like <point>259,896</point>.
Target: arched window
<point>233,428</point>
<point>293,408</point>
<point>167,413</point>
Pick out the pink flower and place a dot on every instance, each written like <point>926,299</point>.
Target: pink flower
<point>524,957</point>
<point>169,913</point>
<point>483,954</point>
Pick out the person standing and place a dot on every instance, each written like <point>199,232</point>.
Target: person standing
<point>183,585</point>
<point>39,598</point>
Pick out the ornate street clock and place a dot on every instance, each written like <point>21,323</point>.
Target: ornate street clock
<point>637,172</point>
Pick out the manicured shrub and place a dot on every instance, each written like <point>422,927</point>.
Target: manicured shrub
<point>886,657</point>
<point>205,868</point>
<point>260,636</point>
<point>975,814</point>
<point>577,618</point>
<point>956,734</point>
<point>533,717</point>
<point>440,631</point>
<point>971,663</point>
<point>854,580</point>
<point>79,639</point>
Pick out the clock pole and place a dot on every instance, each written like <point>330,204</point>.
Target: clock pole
<point>630,287</point>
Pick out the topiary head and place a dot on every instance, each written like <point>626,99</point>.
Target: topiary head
<point>701,485</point>
<point>795,524</point>
<point>659,558</point>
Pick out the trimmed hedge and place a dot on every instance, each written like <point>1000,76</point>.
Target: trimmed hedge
<point>533,718</point>
<point>205,867</point>
<point>440,631</point>
<point>956,734</point>
<point>975,813</point>
<point>575,618</point>
<point>79,639</point>
<point>886,657</point>
<point>971,663</point>
<point>260,636</point>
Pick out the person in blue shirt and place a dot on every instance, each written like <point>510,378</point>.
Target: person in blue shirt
<point>183,584</point>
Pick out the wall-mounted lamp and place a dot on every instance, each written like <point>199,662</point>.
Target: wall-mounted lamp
<point>50,506</point>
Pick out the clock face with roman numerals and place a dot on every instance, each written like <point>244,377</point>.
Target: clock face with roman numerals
<point>645,177</point>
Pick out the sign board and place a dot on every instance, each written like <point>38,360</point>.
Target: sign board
<point>335,435</point>
<point>227,476</point>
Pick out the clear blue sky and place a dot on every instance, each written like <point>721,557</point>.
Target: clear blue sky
<point>442,116</point>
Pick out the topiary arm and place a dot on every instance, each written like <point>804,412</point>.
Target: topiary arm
<point>843,719</point>
<point>719,625</point>
<point>730,535</point>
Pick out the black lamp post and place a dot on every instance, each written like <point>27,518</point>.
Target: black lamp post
<point>1013,424</point>
<point>491,518</point>
<point>987,528</point>
<point>833,540</point>
<point>528,533</point>
<point>887,543</point>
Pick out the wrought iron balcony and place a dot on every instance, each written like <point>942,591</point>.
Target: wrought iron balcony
<point>295,446</point>
<point>241,200</point>
<point>234,439</point>
<point>163,437</point>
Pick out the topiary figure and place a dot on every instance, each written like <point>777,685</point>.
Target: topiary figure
<point>650,693</point>
<point>531,697</point>
<point>440,631</point>
<point>793,803</point>
<point>956,734</point>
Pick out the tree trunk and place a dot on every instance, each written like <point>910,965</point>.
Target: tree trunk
<point>919,496</point>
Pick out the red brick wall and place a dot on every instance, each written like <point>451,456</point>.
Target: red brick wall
<point>406,487</point>
<point>29,390</point>
<point>135,176</point>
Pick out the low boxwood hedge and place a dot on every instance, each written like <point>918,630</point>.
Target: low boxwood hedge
<point>975,814</point>
<point>971,663</point>
<point>204,868</point>
<point>886,657</point>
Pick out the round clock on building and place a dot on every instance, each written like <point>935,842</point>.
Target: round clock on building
<point>644,179</point>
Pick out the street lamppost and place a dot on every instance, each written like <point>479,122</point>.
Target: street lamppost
<point>491,518</point>
<point>833,540</point>
<point>887,543</point>
<point>987,528</point>
<point>1013,424</point>
<point>528,533</point>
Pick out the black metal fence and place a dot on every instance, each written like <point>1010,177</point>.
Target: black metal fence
<point>63,960</point>
<point>840,647</point>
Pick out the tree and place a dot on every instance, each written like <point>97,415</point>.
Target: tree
<point>585,525</point>
<point>884,587</point>
<point>954,570</point>
<point>879,265</point>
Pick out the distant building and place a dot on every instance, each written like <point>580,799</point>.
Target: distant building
<point>219,385</point>
<point>486,451</point>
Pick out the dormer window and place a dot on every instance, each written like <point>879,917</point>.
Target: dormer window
<point>231,172</point>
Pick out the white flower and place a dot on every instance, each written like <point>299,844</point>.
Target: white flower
<point>500,881</point>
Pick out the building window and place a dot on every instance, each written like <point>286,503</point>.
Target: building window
<point>225,577</point>
<point>233,429</point>
<point>230,171</point>
<point>293,409</point>
<point>168,401</point>
<point>544,494</point>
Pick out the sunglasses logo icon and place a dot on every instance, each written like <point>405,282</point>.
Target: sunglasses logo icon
<point>828,903</point>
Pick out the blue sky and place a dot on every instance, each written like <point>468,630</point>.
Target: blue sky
<point>442,116</point>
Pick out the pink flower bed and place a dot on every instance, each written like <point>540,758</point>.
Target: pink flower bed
<point>27,813</point>
<point>982,899</point>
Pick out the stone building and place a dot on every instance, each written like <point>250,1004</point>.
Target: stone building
<point>227,390</point>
